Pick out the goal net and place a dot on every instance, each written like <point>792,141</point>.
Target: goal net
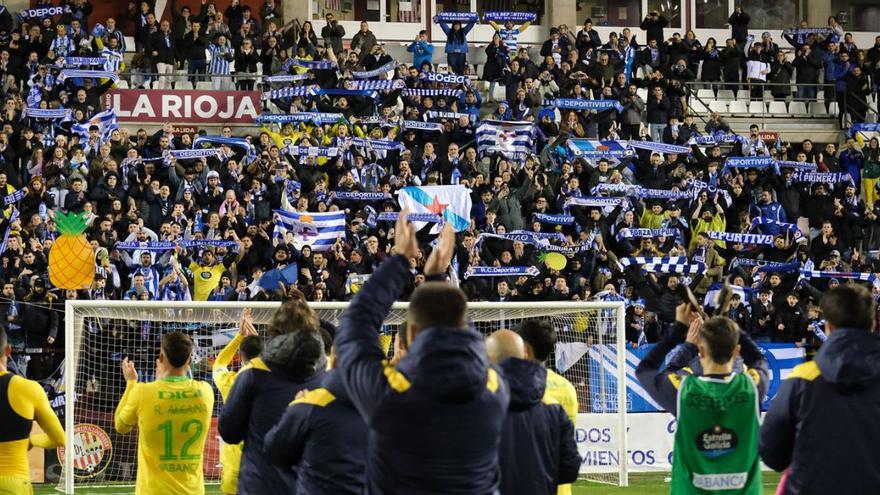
<point>99,334</point>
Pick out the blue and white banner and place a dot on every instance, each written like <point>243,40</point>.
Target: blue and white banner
<point>375,84</point>
<point>501,271</point>
<point>659,147</point>
<point>366,74</point>
<point>97,74</point>
<point>532,238</point>
<point>47,113</point>
<point>645,233</point>
<point>773,266</point>
<point>749,162</point>
<point>285,78</point>
<point>738,238</point>
<point>457,16</point>
<point>313,64</point>
<point>317,117</point>
<point>595,150</point>
<point>106,122</point>
<point>717,138</point>
<point>14,197</point>
<point>863,127</point>
<point>824,177</point>
<point>287,93</point>
<point>578,104</point>
<point>807,31</point>
<point>345,92</point>
<point>791,228</point>
<point>232,142</point>
<point>359,195</point>
<point>450,115</point>
<point>453,93</point>
<point>452,202</point>
<point>515,17</point>
<point>418,125</point>
<point>169,245</point>
<point>78,61</point>
<point>439,77</point>
<point>391,216</point>
<point>317,230</point>
<point>511,139</point>
<point>43,12</point>
<point>549,218</point>
<point>639,191</point>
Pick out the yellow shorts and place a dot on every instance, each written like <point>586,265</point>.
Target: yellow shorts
<point>230,458</point>
<point>563,490</point>
<point>10,485</point>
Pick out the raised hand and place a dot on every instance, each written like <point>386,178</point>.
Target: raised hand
<point>405,242</point>
<point>128,371</point>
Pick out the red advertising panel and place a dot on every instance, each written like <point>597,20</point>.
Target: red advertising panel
<point>184,107</point>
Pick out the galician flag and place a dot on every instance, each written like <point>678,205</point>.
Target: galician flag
<point>453,203</point>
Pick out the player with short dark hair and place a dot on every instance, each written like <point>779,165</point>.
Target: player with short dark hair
<point>822,425</point>
<point>21,402</point>
<point>173,417</point>
<point>435,417</point>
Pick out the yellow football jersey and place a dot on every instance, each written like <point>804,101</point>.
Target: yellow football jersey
<point>173,416</point>
<point>563,392</point>
<point>224,378</point>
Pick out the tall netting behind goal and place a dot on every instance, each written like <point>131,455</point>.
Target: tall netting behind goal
<point>101,333</point>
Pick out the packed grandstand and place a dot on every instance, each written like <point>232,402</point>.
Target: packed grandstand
<point>587,148</point>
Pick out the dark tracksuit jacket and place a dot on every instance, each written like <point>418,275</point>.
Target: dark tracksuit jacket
<point>538,451</point>
<point>435,419</point>
<point>822,424</point>
<point>323,435</point>
<point>256,403</point>
<point>663,385</point>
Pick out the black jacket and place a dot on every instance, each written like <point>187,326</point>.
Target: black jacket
<point>165,49</point>
<point>654,29</point>
<point>538,451</point>
<point>739,26</point>
<point>822,424</point>
<point>323,434</point>
<point>436,418</point>
<point>255,404</point>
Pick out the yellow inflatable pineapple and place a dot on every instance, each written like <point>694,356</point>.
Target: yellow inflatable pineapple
<point>71,259</point>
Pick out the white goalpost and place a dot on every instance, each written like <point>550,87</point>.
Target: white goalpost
<point>590,353</point>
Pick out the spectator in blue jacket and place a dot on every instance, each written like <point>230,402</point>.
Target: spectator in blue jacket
<point>765,207</point>
<point>822,425</point>
<point>456,43</point>
<point>538,451</point>
<point>422,50</point>
<point>435,418</point>
<point>292,361</point>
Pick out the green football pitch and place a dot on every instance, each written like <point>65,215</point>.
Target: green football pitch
<point>639,484</point>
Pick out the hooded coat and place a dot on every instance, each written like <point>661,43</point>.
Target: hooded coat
<point>822,424</point>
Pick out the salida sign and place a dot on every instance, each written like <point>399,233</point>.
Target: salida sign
<point>197,107</point>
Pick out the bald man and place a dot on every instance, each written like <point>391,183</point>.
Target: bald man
<point>537,450</point>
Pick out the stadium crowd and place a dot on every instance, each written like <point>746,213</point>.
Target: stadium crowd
<point>799,219</point>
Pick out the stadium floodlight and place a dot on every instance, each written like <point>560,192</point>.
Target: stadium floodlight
<point>99,334</point>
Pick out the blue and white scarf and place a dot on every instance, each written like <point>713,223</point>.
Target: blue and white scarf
<point>825,177</point>
<point>359,195</point>
<point>645,233</point>
<point>863,127</point>
<point>319,117</point>
<point>285,78</point>
<point>749,162</point>
<point>658,147</point>
<point>77,61</point>
<point>366,74</point>
<point>501,271</point>
<point>250,152</point>
<point>43,12</point>
<point>195,153</point>
<point>47,113</point>
<point>391,216</point>
<point>515,17</point>
<point>554,219</point>
<point>345,92</point>
<point>807,31</point>
<point>664,264</point>
<point>168,245</point>
<point>313,64</point>
<point>439,77</point>
<point>457,16</point>
<point>818,329</point>
<point>311,150</point>
<point>717,138</point>
<point>790,227</point>
<point>454,93</point>
<point>422,126</point>
<point>375,84</point>
<point>807,166</point>
<point>287,93</point>
<point>864,277</point>
<point>601,202</point>
<point>377,144</point>
<point>14,197</point>
<point>449,115</point>
<point>736,237</point>
<point>99,74</point>
<point>578,104</point>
